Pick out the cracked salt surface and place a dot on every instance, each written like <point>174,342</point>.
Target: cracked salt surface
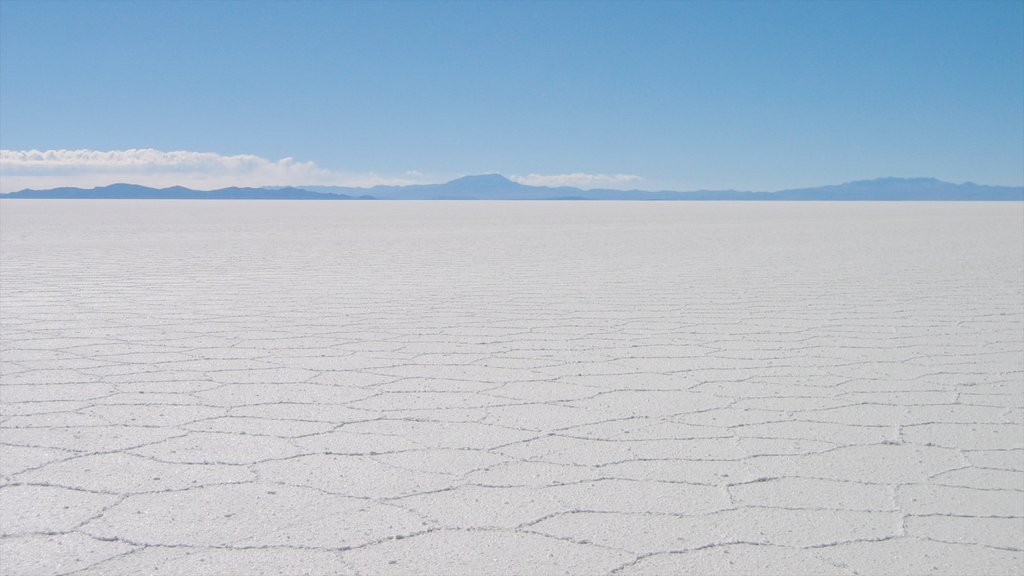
<point>496,388</point>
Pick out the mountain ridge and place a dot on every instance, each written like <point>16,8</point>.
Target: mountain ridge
<point>498,187</point>
<point>123,191</point>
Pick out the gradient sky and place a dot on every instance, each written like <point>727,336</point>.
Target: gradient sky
<point>663,95</point>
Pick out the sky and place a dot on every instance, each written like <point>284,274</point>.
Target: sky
<point>681,96</point>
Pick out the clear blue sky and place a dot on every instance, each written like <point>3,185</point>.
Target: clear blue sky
<point>684,95</point>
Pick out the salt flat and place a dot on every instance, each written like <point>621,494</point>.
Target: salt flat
<point>495,388</point>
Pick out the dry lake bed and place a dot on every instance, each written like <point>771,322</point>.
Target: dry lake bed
<point>204,387</point>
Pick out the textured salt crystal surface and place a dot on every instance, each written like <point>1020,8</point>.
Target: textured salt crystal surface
<point>494,388</point>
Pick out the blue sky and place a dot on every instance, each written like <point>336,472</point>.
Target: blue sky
<point>663,95</point>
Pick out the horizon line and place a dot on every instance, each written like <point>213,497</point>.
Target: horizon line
<point>511,180</point>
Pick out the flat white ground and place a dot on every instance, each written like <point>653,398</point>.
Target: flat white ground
<point>501,388</point>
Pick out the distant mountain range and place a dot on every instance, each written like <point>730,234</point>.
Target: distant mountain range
<point>497,187</point>
<point>135,191</point>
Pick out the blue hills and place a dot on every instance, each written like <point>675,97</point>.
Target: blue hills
<point>135,191</point>
<point>498,187</point>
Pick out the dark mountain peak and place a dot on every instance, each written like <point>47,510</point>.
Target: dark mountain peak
<point>476,186</point>
<point>483,180</point>
<point>121,187</point>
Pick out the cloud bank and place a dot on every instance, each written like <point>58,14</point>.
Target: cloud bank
<point>578,180</point>
<point>44,169</point>
<point>41,169</point>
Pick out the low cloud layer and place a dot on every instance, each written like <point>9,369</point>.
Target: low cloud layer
<point>44,169</point>
<point>579,180</point>
<point>41,169</point>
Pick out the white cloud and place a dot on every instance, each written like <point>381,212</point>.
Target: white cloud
<point>579,180</point>
<point>40,169</point>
